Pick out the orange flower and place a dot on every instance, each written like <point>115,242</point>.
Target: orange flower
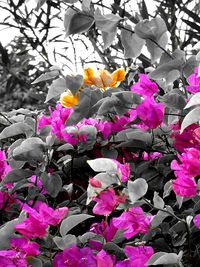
<point>67,99</point>
<point>102,78</point>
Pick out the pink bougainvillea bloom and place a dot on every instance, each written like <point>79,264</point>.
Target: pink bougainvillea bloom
<point>104,259</point>
<point>150,113</point>
<point>75,257</point>
<point>33,226</point>
<point>51,216</point>
<point>106,202</point>
<point>144,86</point>
<point>12,258</point>
<point>56,120</point>
<point>184,186</point>
<point>134,221</point>
<point>189,163</point>
<point>150,156</point>
<point>138,256</point>
<point>194,82</point>
<point>105,229</point>
<point>123,170</point>
<point>95,183</point>
<point>25,246</point>
<point>189,138</point>
<point>196,221</point>
<point>4,167</point>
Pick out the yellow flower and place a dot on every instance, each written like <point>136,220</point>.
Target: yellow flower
<point>67,99</point>
<point>102,78</point>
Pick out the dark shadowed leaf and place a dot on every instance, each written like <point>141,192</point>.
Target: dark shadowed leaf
<point>17,175</point>
<point>74,82</point>
<point>80,22</point>
<point>87,99</point>
<point>65,241</point>
<point>70,222</point>
<point>52,183</point>
<point>58,87</point>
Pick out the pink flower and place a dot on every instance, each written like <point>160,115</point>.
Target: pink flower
<point>184,186</point>
<point>133,221</point>
<point>12,258</point>
<point>150,113</point>
<point>189,163</point>
<point>33,226</point>
<point>106,202</point>
<point>56,120</point>
<point>123,170</point>
<point>53,217</point>
<point>95,183</point>
<point>104,259</point>
<point>194,82</point>
<point>37,222</point>
<point>24,245</point>
<point>150,156</point>
<point>105,229</point>
<point>196,221</point>
<point>144,87</point>
<point>75,257</point>
<point>189,138</point>
<point>137,256</point>
<point>4,167</point>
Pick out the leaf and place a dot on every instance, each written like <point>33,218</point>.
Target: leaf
<point>30,149</point>
<point>52,183</point>
<point>155,49</point>
<point>106,23</point>
<point>80,22</point>
<point>103,165</point>
<point>7,231</point>
<point>106,178</point>
<point>158,201</point>
<point>162,71</point>
<point>58,87</point>
<point>70,1</point>
<point>137,189</point>
<point>87,99</point>
<point>174,100</point>
<point>46,76</point>
<point>65,241</point>
<point>86,5</point>
<point>144,11</point>
<point>108,38</point>
<point>190,64</point>
<point>194,101</point>
<point>40,3</point>
<point>34,262</point>
<point>15,129</point>
<point>17,175</point>
<point>192,117</point>
<point>67,19</point>
<point>66,147</point>
<point>163,258</point>
<point>70,222</point>
<point>114,249</point>
<point>131,43</point>
<point>151,28</point>
<point>74,82</point>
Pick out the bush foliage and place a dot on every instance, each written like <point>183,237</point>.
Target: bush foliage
<point>103,171</point>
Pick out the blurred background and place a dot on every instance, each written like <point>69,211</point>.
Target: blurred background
<point>33,39</point>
